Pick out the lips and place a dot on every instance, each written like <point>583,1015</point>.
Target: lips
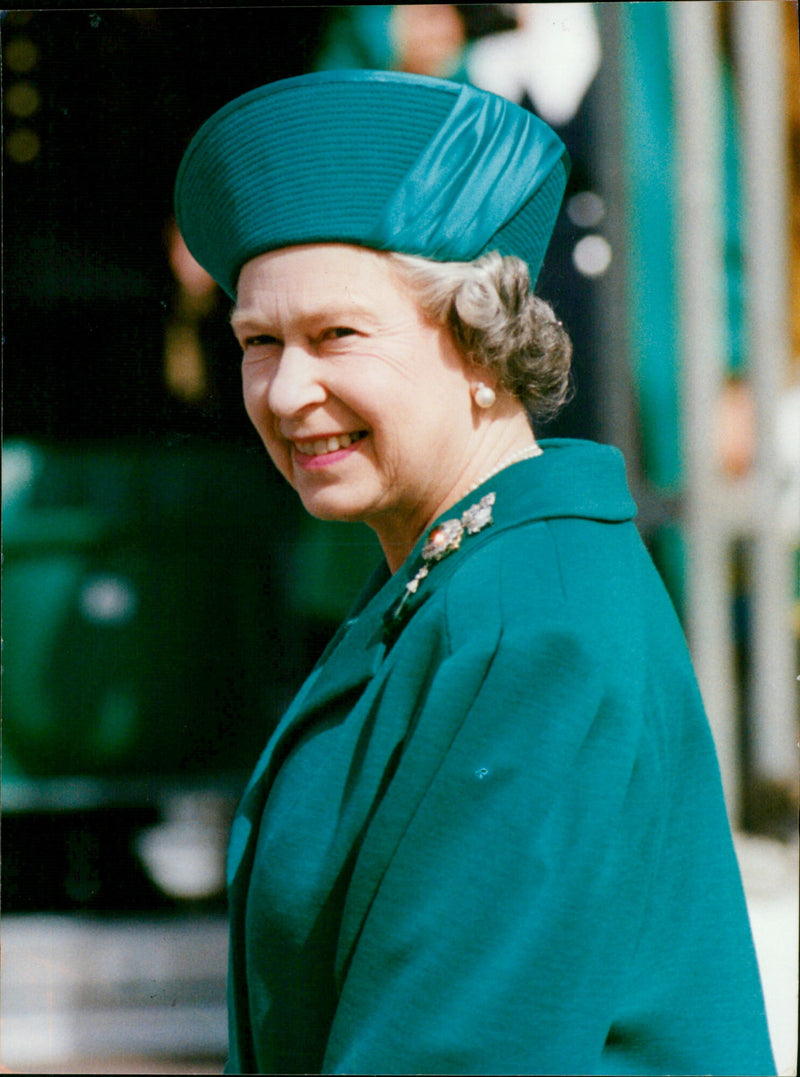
<point>333,443</point>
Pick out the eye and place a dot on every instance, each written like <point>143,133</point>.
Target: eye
<point>336,332</point>
<point>259,340</point>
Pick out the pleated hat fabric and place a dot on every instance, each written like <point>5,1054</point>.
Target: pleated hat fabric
<point>378,159</point>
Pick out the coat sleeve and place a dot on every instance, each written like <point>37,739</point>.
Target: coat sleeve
<point>509,896</point>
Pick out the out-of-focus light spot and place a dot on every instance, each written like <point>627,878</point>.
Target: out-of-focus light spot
<point>185,855</point>
<point>592,256</point>
<point>108,600</point>
<point>21,55</point>
<point>18,471</point>
<point>586,209</point>
<point>22,146</point>
<point>22,99</point>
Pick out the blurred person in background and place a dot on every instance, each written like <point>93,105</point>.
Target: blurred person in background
<point>488,835</point>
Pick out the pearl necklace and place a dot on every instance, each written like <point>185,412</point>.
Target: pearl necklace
<point>507,461</point>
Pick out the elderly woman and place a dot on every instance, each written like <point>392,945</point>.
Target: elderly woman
<point>489,835</point>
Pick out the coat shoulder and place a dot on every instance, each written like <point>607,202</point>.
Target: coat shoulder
<point>579,576</point>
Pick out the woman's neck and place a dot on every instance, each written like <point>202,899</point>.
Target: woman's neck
<point>499,443</point>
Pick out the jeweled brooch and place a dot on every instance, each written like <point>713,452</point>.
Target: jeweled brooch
<point>444,539</point>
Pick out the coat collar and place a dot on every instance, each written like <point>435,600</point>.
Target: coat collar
<point>571,478</point>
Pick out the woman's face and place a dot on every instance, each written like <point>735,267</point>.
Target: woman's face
<point>363,405</point>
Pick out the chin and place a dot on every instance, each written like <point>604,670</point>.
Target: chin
<point>333,509</point>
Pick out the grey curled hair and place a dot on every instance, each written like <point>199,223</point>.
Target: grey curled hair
<point>498,323</point>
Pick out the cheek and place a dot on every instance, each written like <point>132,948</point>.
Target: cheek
<point>254,393</point>
<point>412,416</point>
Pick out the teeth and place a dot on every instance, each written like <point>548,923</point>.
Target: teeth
<point>325,445</point>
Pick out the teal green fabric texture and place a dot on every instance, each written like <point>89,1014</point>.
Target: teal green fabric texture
<point>493,839</point>
<point>378,159</point>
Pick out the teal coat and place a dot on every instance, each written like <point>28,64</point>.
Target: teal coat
<point>489,836</point>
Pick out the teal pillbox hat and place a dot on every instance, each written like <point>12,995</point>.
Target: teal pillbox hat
<point>378,159</point>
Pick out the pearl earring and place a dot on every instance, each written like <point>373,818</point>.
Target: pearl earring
<point>485,397</point>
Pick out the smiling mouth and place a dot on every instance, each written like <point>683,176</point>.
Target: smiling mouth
<point>328,445</point>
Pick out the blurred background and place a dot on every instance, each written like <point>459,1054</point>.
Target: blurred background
<point>164,595</point>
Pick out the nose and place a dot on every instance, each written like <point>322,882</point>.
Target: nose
<point>295,383</point>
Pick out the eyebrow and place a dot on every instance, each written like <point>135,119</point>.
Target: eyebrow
<point>240,321</point>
